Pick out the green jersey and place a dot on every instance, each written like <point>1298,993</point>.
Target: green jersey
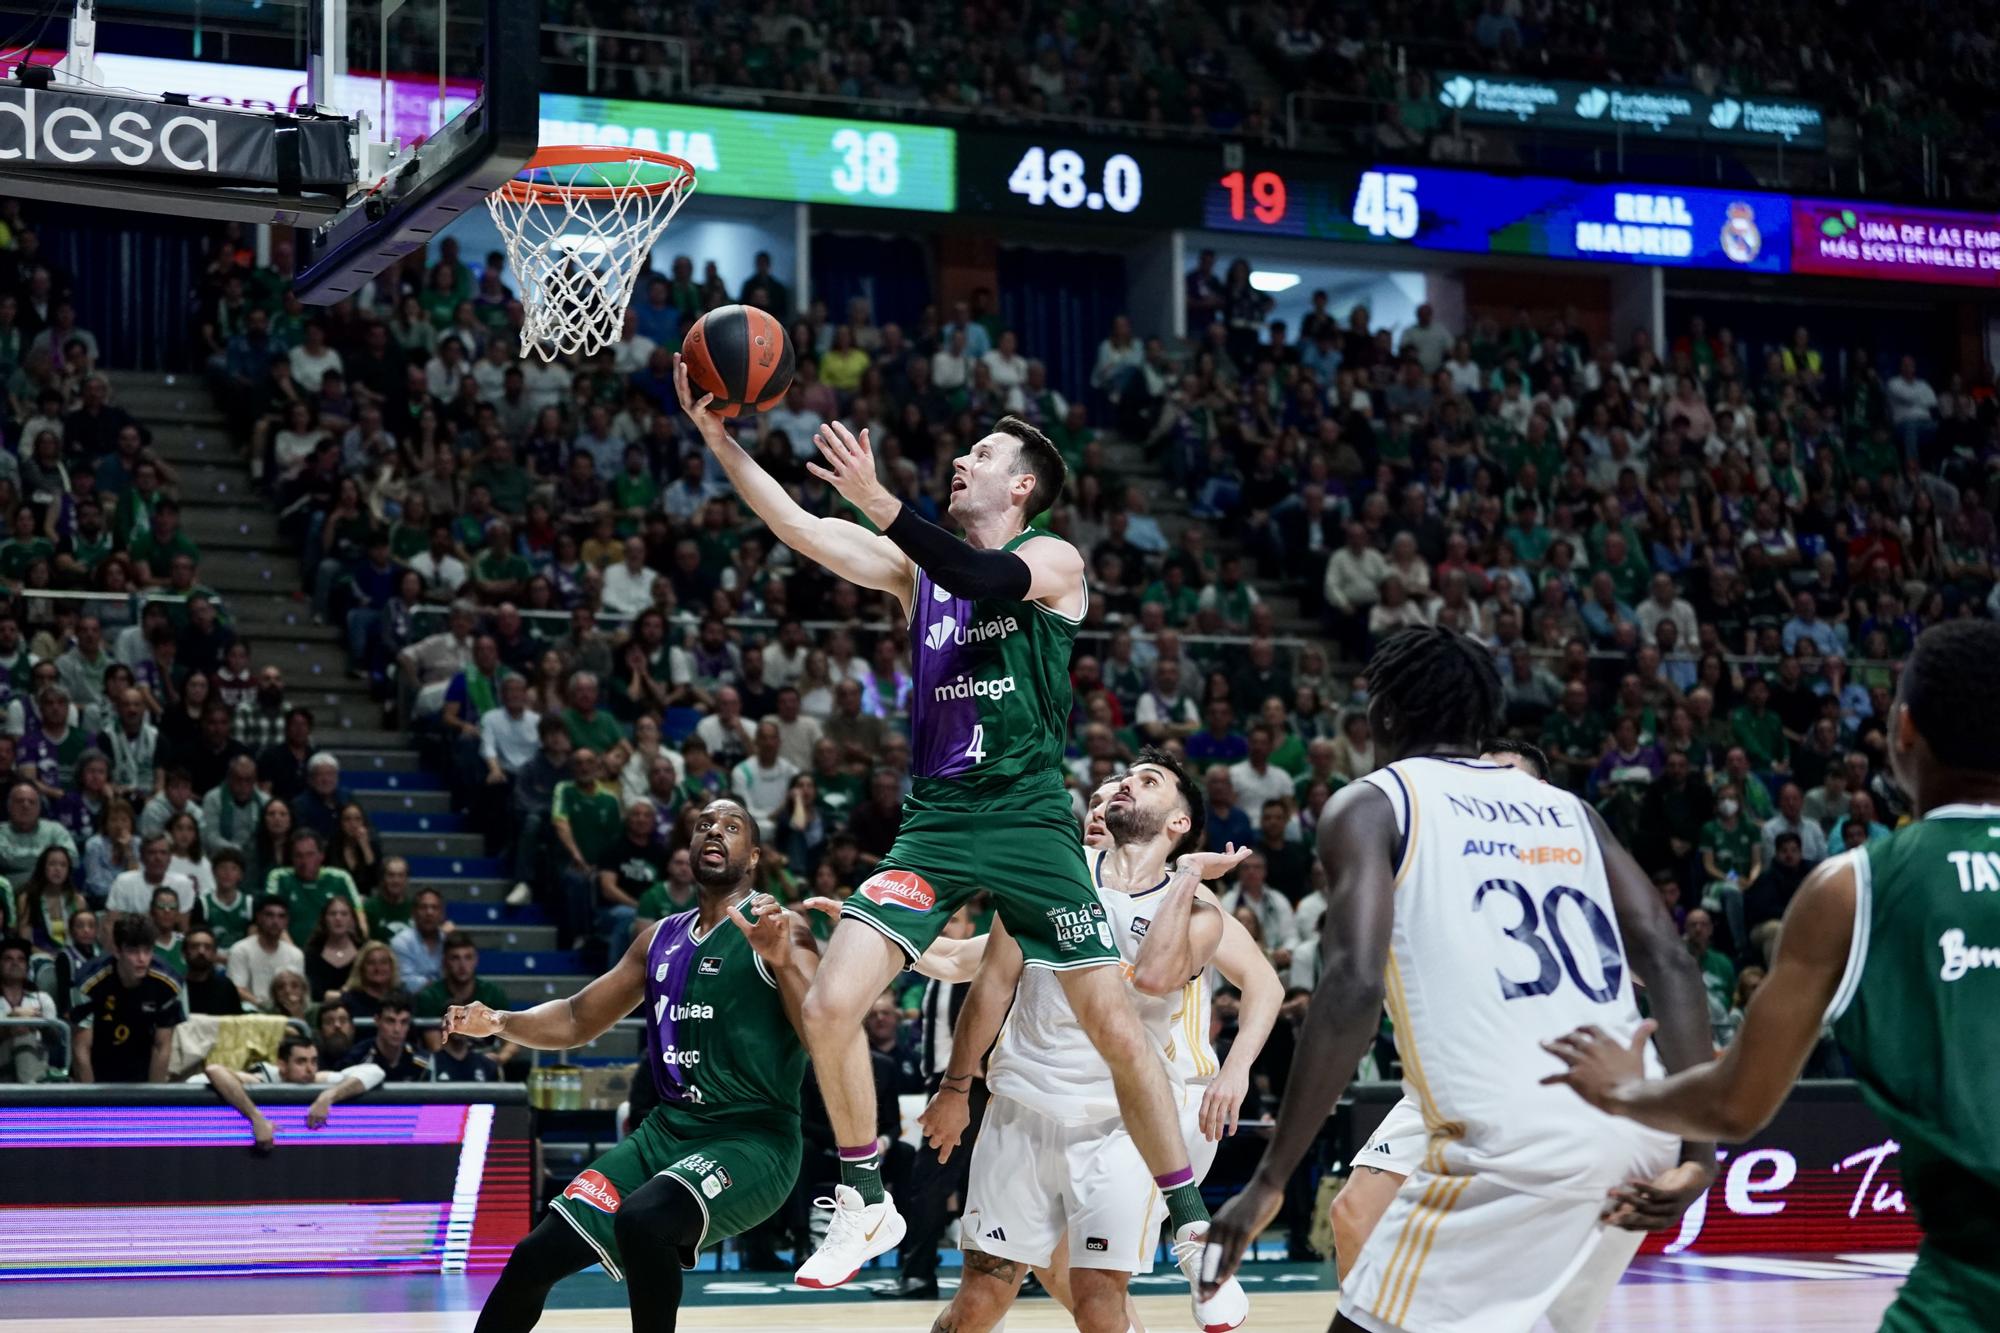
<point>305,901</point>
<point>991,701</point>
<point>229,922</point>
<point>1916,1007</point>
<point>717,1037</point>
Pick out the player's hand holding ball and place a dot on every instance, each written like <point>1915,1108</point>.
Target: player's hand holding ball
<point>473,1020</point>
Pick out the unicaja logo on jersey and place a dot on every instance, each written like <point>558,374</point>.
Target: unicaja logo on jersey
<point>1960,959</point>
<point>966,687</point>
<point>947,630</point>
<point>594,1190</point>
<point>899,888</point>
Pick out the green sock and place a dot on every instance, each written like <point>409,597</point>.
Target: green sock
<point>861,1171</point>
<point>1184,1205</point>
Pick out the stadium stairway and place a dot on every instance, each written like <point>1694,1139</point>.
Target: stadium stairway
<point>246,560</point>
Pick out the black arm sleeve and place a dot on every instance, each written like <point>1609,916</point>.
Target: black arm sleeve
<point>959,568</point>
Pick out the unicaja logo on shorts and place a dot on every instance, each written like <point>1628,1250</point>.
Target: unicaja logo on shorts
<point>594,1190</point>
<point>899,888</point>
<point>966,687</point>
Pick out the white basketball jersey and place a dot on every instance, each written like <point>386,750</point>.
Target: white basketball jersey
<point>1191,1054</point>
<point>1045,1060</point>
<point>1504,937</point>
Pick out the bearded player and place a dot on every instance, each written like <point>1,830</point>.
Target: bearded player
<point>992,620</point>
<point>1054,1169</point>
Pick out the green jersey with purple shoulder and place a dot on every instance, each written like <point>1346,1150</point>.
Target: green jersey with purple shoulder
<point>991,702</point>
<point>989,807</point>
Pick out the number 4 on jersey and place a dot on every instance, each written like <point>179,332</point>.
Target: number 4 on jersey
<point>976,751</point>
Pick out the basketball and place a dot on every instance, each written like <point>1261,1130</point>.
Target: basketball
<point>741,355</point>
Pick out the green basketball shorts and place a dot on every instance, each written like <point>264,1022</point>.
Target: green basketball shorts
<point>739,1171</point>
<point>1025,850</point>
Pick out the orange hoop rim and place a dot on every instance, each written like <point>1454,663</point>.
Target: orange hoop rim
<point>582,155</point>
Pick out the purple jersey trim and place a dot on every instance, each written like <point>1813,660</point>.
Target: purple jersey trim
<point>669,965</point>
<point>941,724</point>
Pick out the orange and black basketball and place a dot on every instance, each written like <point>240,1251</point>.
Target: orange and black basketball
<point>741,355</point>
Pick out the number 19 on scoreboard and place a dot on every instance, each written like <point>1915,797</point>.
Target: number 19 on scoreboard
<point>1385,204</point>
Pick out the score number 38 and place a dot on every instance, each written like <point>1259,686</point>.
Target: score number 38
<point>867,163</point>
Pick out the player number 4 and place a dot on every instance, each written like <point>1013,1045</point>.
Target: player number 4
<point>976,751</point>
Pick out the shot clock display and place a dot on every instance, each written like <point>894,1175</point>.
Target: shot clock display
<point>1475,213</point>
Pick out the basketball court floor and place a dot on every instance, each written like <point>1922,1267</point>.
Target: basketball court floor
<point>1838,1294</point>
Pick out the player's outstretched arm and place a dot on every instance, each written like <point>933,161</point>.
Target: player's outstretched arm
<point>1245,967</point>
<point>1357,845</point>
<point>1733,1097</point>
<point>1184,931</point>
<point>786,946</point>
<point>1044,570</point>
<point>978,1027</point>
<point>846,548</point>
<point>1674,987</point>
<point>559,1025</point>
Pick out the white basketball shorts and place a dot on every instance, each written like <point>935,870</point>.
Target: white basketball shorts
<point>1398,1143</point>
<point>1465,1254</point>
<point>1034,1178</point>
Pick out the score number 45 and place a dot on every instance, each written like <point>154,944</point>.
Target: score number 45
<point>1385,204</point>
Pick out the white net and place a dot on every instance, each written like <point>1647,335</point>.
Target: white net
<point>577,237</point>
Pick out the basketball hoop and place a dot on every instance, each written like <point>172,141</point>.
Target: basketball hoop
<point>579,224</point>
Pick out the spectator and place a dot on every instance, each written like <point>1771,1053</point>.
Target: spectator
<point>1275,919</point>
<point>259,958</point>
<point>1718,974</point>
<point>132,892</point>
<point>373,978</point>
<point>261,721</point>
<point>297,1065</point>
<point>23,1050</point>
<point>26,835</point>
<point>535,785</point>
<point>308,883</point>
<point>874,826</point>
<point>1227,823</point>
<point>233,808</point>
<point>390,1050</point>
<point>761,780</point>
<point>126,1011</point>
<point>225,908</point>
<point>419,950</point>
<point>459,983</point>
<point>281,768</point>
<point>317,808</point>
<point>585,817</point>
<point>207,990</point>
<point>1791,819</point>
<point>1255,778</point>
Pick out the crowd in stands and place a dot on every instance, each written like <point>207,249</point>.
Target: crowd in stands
<point>1902,89</point>
<point>1160,66</point>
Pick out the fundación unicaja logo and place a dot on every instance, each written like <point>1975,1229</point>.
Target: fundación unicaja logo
<point>1724,114</point>
<point>1457,91</point>
<point>938,635</point>
<point>1591,104</point>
